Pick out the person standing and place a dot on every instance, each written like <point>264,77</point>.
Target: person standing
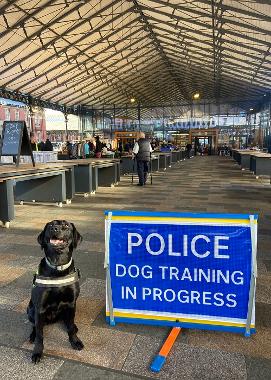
<point>142,151</point>
<point>48,146</point>
<point>98,148</point>
<point>33,143</point>
<point>188,150</point>
<point>120,147</point>
<point>69,149</point>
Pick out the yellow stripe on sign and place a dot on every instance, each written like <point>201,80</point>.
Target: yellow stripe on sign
<point>171,219</point>
<point>173,319</point>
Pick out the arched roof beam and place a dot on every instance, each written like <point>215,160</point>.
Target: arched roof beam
<point>246,77</point>
<point>242,11</point>
<point>20,23</point>
<point>92,58</point>
<point>259,66</point>
<point>139,8</point>
<point>84,84</point>
<point>102,69</point>
<point>128,70</point>
<point>205,25</point>
<point>206,35</point>
<point>52,42</point>
<point>75,57</point>
<point>8,4</point>
<point>196,11</point>
<point>217,25</point>
<point>234,63</point>
<point>44,28</point>
<point>209,50</point>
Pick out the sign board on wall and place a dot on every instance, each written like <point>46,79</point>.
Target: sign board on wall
<point>175,269</point>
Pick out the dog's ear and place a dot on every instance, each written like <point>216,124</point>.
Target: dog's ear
<point>76,237</point>
<point>41,237</point>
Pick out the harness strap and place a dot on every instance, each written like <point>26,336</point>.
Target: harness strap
<point>50,282</point>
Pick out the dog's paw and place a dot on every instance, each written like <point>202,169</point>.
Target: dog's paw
<point>36,357</point>
<point>77,344</point>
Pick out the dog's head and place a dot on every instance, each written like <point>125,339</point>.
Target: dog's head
<point>58,239</point>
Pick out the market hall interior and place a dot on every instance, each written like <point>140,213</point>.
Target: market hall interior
<point>80,81</point>
<point>201,184</point>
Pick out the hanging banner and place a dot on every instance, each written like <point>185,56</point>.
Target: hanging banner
<point>175,269</point>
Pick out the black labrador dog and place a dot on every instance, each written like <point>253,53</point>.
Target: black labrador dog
<point>56,285</point>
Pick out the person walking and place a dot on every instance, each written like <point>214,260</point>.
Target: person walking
<point>142,151</point>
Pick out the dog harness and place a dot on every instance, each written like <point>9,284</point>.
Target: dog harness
<point>56,281</point>
<point>50,282</point>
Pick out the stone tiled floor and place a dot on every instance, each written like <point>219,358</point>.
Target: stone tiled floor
<point>124,352</point>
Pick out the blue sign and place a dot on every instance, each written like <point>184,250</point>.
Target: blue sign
<point>191,270</point>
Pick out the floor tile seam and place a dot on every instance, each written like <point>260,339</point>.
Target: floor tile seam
<point>131,346</point>
<point>112,370</point>
<point>64,360</point>
<point>27,351</point>
<point>229,351</point>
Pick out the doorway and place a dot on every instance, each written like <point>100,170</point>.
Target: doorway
<point>203,145</point>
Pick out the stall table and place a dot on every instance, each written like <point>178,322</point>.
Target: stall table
<point>176,156</point>
<point>260,164</point>
<point>129,165</point>
<point>42,183</point>
<point>165,160</point>
<point>92,172</point>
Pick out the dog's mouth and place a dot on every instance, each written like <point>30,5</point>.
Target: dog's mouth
<point>57,242</point>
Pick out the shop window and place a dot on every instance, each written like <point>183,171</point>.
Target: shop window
<point>17,115</point>
<point>7,114</point>
<point>37,120</point>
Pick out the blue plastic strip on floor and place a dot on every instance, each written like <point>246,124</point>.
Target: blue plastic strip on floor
<point>158,363</point>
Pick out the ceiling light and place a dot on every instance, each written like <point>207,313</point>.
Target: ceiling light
<point>196,95</point>
<point>251,109</point>
<point>132,100</point>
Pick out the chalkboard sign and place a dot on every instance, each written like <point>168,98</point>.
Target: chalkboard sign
<point>15,141</point>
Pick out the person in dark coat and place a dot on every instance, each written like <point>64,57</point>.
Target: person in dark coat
<point>48,146</point>
<point>142,151</point>
<point>69,149</point>
<point>98,148</point>
<point>33,143</point>
<point>188,150</point>
<point>41,146</point>
<point>120,147</point>
<point>91,146</point>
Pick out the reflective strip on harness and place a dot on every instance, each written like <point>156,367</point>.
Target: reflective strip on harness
<point>56,282</point>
